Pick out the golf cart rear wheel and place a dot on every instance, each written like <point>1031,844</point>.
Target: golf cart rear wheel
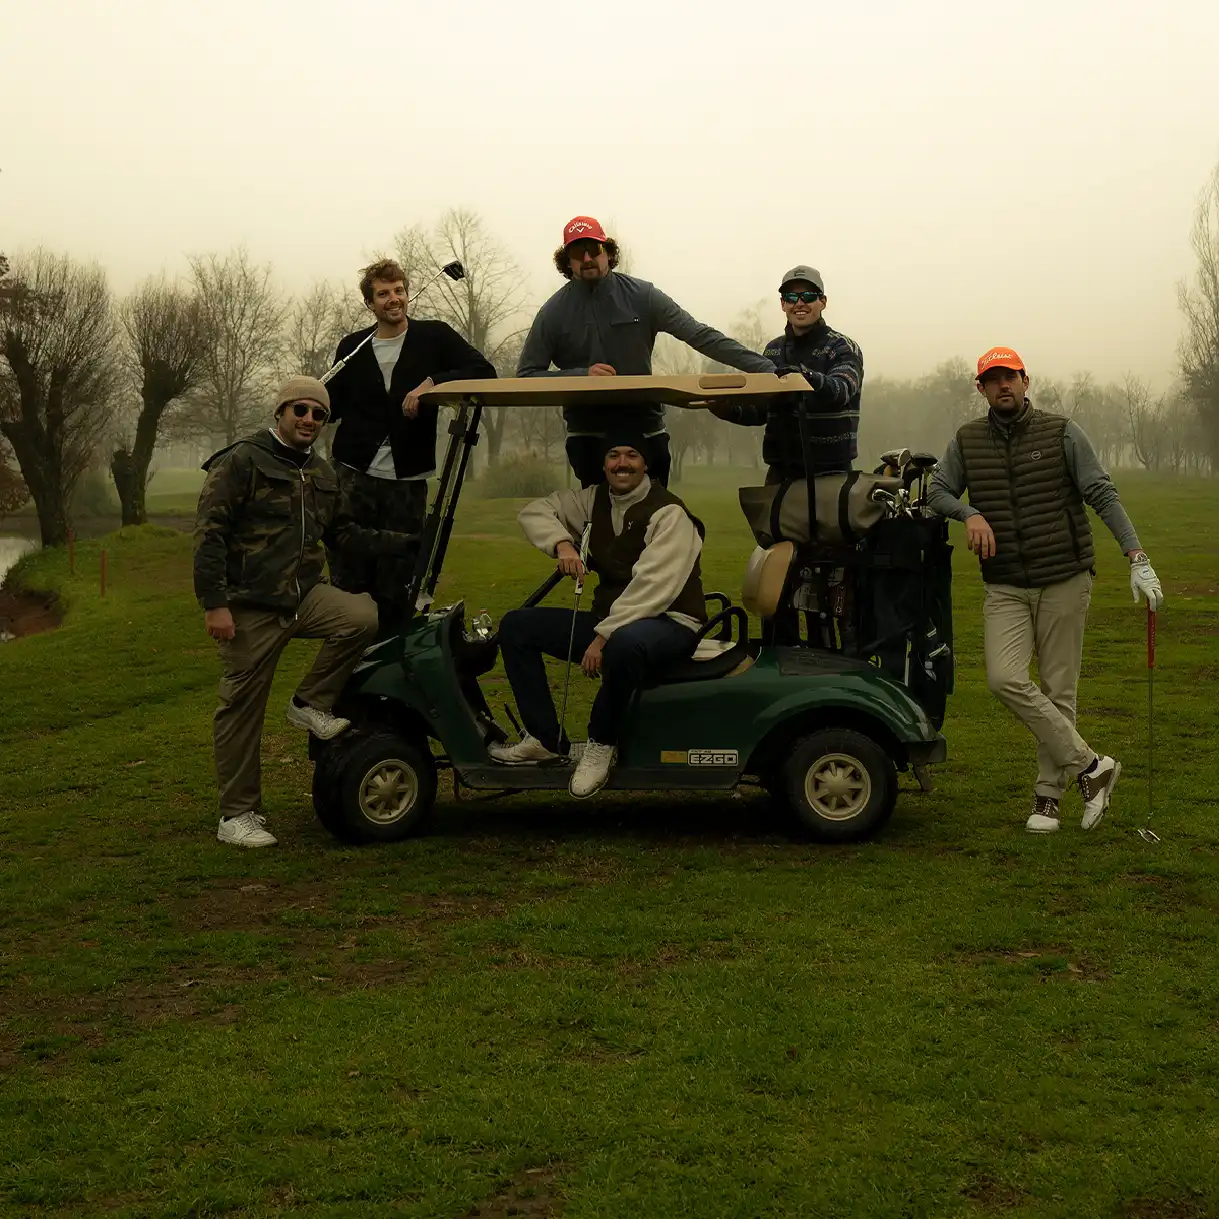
<point>840,784</point>
<point>377,789</point>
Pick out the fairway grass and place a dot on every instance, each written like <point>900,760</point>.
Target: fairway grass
<point>656,1006</point>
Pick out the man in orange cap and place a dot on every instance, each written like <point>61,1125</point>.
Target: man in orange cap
<point>602,323</point>
<point>1029,475</point>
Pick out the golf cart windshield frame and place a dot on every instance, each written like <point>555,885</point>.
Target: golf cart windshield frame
<point>471,397</point>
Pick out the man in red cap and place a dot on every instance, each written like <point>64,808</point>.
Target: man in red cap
<point>602,323</point>
<point>1029,475</point>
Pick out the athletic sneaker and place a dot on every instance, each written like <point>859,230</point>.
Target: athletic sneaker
<point>245,830</point>
<point>528,750</point>
<point>321,724</point>
<point>593,769</point>
<point>1045,818</point>
<point>1096,785</point>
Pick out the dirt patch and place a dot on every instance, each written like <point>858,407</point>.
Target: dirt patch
<point>1053,962</point>
<point>532,1192</point>
<point>26,612</point>
<point>993,1197</point>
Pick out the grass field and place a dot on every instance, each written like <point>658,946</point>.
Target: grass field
<point>653,1007</point>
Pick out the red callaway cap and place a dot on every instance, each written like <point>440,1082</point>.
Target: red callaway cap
<point>1000,358</point>
<point>580,227</point>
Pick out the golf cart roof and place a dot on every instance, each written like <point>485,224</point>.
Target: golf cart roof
<point>692,390</point>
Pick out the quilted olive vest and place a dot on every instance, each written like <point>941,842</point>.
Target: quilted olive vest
<point>612,556</point>
<point>1017,478</point>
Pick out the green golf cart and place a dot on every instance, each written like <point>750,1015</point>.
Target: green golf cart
<point>824,732</point>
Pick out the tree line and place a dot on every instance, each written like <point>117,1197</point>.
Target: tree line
<point>89,381</point>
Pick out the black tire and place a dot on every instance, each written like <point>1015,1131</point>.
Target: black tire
<point>841,785</point>
<point>377,787</point>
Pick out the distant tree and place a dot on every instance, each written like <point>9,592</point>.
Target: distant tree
<point>316,322</point>
<point>1199,349</point>
<point>164,351</point>
<point>58,370</point>
<point>1145,428</point>
<point>242,314</point>
<point>483,307</point>
<point>13,491</point>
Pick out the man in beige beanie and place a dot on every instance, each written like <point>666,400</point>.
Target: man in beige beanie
<point>268,509</point>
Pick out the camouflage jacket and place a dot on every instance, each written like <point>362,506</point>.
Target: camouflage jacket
<point>263,524</point>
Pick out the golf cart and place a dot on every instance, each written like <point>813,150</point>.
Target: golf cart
<point>824,731</point>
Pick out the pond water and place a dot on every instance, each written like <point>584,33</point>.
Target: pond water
<point>12,547</point>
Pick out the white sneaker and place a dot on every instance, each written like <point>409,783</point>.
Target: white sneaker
<point>593,769</point>
<point>321,724</point>
<point>1096,787</point>
<point>528,750</point>
<point>246,831</point>
<point>1045,818</point>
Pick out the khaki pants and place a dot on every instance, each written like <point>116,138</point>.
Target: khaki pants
<point>1018,623</point>
<point>348,624</point>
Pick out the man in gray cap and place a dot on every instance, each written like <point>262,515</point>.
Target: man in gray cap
<point>834,368</point>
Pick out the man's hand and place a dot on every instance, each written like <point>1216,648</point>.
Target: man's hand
<point>591,662</point>
<point>1144,582</point>
<point>219,623</point>
<point>602,370</point>
<point>410,404</point>
<point>979,537</point>
<point>724,410</point>
<point>569,560</point>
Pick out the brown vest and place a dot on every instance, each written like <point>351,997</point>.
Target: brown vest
<point>612,556</point>
<point>1018,479</point>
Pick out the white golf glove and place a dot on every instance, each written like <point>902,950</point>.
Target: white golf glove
<point>1144,582</point>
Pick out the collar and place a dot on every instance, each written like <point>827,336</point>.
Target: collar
<point>631,498</point>
<point>1004,424</point>
<point>816,331</point>
<point>298,457</point>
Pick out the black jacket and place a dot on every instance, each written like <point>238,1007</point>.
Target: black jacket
<point>366,414</point>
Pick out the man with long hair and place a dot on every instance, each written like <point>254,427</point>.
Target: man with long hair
<point>602,323</point>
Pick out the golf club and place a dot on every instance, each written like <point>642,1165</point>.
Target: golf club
<point>925,464</point>
<point>1145,832</point>
<point>896,459</point>
<point>454,270</point>
<point>567,671</point>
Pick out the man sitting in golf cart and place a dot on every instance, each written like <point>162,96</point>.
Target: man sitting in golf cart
<point>644,545</point>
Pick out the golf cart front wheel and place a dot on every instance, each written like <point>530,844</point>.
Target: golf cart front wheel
<point>378,789</point>
<point>841,785</point>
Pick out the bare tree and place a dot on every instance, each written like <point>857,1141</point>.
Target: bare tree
<point>1199,349</point>
<point>58,370</point>
<point>13,491</point>
<point>165,348</point>
<point>1144,423</point>
<point>242,314</point>
<point>483,306</point>
<point>316,322</point>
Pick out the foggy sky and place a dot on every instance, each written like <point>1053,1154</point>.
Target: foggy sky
<point>963,174</point>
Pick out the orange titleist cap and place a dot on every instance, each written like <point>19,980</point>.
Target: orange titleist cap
<point>1000,358</point>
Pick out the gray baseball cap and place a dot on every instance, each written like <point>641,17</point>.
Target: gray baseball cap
<point>803,272</point>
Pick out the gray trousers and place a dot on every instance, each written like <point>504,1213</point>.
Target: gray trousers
<point>347,622</point>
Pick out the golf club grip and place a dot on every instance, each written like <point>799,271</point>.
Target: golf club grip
<point>1151,637</point>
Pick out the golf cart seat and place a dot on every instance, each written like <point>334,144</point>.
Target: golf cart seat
<point>717,654</point>
<point>765,578</point>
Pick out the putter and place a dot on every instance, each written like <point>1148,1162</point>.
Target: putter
<point>1145,832</point>
<point>567,670</point>
<point>454,270</point>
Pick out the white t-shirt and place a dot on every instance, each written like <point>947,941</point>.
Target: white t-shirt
<point>387,352</point>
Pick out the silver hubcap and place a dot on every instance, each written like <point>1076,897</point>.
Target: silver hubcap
<point>388,791</point>
<point>837,787</point>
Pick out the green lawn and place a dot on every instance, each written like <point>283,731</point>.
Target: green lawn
<point>646,1007</point>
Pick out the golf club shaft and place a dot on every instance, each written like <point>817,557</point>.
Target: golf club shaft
<point>567,670</point>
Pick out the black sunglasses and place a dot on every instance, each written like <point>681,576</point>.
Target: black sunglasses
<point>318,414</point>
<point>585,246</point>
<point>807,297</point>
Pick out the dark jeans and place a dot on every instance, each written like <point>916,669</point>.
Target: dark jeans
<point>388,504</point>
<point>631,654</point>
<point>587,457</point>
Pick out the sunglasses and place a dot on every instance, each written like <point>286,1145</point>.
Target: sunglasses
<point>319,415</point>
<point>586,247</point>
<point>807,297</point>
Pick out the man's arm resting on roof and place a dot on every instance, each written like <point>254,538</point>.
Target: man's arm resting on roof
<point>948,484</point>
<point>462,360</point>
<point>671,546</point>
<point>669,316</point>
<point>1098,492</point>
<point>559,517</point>
<point>220,503</point>
<point>536,352</point>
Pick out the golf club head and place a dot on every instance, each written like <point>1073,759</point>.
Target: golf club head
<point>454,270</point>
<point>897,458</point>
<point>924,461</point>
<point>1149,836</point>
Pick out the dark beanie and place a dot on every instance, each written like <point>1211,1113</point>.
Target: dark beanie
<point>626,437</point>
